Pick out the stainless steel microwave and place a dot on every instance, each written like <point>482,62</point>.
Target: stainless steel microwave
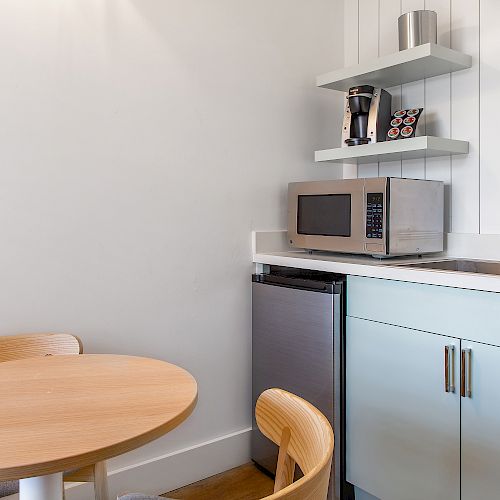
<point>376,216</point>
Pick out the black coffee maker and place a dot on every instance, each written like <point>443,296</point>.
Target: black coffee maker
<point>367,115</point>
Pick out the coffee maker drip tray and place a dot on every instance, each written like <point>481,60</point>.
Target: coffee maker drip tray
<point>356,141</point>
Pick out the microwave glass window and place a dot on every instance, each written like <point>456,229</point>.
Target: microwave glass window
<point>324,215</point>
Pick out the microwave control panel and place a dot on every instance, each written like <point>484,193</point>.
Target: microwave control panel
<point>374,215</point>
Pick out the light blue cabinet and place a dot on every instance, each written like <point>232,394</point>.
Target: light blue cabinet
<point>481,424</point>
<point>408,437</point>
<point>403,429</point>
<point>466,314</point>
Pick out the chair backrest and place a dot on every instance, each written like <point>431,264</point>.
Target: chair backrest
<point>305,438</point>
<point>14,347</point>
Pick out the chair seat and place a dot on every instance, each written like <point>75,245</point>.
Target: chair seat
<point>8,488</point>
<point>12,487</point>
<point>141,496</point>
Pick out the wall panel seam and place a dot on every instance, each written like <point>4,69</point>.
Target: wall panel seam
<point>479,113</point>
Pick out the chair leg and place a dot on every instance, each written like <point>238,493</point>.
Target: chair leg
<point>101,481</point>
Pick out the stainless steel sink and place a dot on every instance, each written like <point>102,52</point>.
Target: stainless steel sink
<point>459,265</point>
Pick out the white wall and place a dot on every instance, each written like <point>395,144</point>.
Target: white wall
<point>140,143</point>
<point>464,105</point>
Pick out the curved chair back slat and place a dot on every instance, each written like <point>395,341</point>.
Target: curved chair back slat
<point>305,438</point>
<point>14,347</point>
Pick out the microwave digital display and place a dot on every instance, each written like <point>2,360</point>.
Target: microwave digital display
<point>324,215</point>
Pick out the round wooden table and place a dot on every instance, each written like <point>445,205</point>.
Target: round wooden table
<point>65,412</point>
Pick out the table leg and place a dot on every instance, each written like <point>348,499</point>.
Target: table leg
<point>42,488</point>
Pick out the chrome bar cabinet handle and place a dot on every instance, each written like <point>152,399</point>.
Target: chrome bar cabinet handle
<point>449,368</point>
<point>465,373</point>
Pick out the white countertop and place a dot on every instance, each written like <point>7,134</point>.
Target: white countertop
<point>271,248</point>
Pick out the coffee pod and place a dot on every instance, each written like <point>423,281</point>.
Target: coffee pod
<point>409,120</point>
<point>400,113</point>
<point>393,133</point>
<point>407,131</point>
<point>396,122</point>
<point>413,112</point>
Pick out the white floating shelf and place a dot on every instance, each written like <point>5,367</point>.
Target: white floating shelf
<point>401,149</point>
<point>424,61</point>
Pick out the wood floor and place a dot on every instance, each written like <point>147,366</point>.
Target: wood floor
<point>243,483</point>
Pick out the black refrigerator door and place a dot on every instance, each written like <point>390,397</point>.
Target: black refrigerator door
<point>293,349</point>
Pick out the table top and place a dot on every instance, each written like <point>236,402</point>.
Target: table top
<point>63,412</point>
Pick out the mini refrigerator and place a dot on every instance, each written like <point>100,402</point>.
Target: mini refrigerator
<point>298,344</point>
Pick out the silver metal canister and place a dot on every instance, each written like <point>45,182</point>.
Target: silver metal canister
<point>416,28</point>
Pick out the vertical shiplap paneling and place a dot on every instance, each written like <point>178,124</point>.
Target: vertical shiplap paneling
<point>390,10</point>
<point>368,30</point>
<point>351,54</point>
<point>451,102</point>
<point>438,108</point>
<point>489,117</point>
<point>413,96</point>
<point>465,113</point>
<point>368,50</point>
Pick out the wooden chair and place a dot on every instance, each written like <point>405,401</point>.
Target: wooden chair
<point>50,344</point>
<point>304,437</point>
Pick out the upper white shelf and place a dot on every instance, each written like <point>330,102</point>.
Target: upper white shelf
<point>424,61</point>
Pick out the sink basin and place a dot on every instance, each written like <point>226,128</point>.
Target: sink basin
<point>459,265</point>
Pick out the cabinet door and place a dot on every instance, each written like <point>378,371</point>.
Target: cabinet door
<point>403,428</point>
<point>481,424</point>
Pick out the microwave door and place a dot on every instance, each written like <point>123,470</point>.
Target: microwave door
<point>327,215</point>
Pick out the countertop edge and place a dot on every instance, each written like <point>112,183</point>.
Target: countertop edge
<point>381,270</point>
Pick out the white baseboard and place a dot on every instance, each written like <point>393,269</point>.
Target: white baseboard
<point>172,470</point>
